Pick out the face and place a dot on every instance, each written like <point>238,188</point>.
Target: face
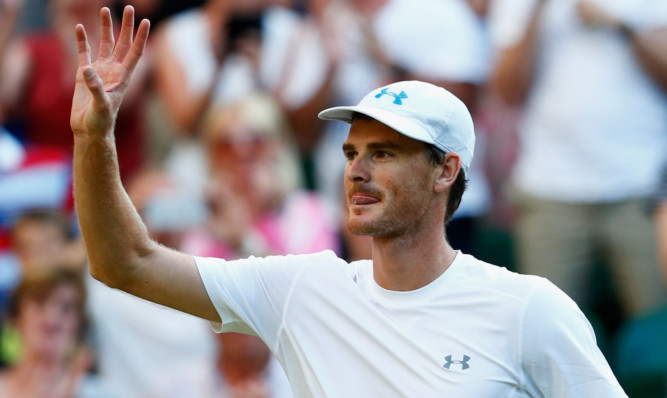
<point>49,327</point>
<point>38,243</point>
<point>388,181</point>
<point>245,159</point>
<point>238,148</point>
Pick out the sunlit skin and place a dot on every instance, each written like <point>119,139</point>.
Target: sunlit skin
<point>397,196</point>
<point>387,180</point>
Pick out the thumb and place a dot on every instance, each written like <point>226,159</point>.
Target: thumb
<point>95,86</point>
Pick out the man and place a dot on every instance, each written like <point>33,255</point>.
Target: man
<point>419,320</point>
<point>590,77</point>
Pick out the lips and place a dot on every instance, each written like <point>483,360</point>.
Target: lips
<point>360,199</point>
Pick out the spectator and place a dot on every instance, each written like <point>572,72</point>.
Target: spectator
<point>256,204</point>
<point>43,238</point>
<point>244,370</point>
<point>210,54</point>
<point>48,313</point>
<point>591,77</point>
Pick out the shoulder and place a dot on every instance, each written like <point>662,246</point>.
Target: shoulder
<point>496,279</point>
<point>559,352</point>
<point>536,297</point>
<point>294,262</point>
<point>550,312</point>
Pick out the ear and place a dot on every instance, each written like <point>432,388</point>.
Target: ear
<point>447,172</point>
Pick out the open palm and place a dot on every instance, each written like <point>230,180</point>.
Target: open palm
<point>100,86</point>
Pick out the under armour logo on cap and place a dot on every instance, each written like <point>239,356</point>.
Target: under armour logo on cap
<point>463,363</point>
<point>397,97</point>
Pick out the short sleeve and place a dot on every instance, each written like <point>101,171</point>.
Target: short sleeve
<point>560,354</point>
<point>250,294</point>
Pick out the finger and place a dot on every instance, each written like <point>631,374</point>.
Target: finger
<point>82,45</point>
<point>107,41</point>
<point>96,87</point>
<point>125,37</point>
<point>138,46</point>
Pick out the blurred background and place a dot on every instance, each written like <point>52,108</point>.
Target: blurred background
<point>221,151</point>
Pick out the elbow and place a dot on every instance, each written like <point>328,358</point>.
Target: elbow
<point>117,273</point>
<point>98,273</point>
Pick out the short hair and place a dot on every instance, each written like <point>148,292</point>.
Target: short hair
<point>38,284</point>
<point>50,216</point>
<point>437,156</point>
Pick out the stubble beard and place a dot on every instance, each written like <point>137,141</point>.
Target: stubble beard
<point>396,220</point>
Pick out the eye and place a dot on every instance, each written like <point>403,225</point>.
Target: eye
<point>350,155</point>
<point>382,154</point>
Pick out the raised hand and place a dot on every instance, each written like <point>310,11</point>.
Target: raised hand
<point>101,85</point>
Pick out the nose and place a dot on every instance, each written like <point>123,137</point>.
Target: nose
<point>357,170</point>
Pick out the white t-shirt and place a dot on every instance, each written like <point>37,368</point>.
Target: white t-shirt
<point>435,39</point>
<point>594,127</point>
<point>138,342</point>
<point>476,331</point>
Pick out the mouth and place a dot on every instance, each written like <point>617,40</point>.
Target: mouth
<point>363,199</point>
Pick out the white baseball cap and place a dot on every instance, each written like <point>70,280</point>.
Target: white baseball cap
<point>419,110</point>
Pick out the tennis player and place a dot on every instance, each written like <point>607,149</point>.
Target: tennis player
<point>418,320</point>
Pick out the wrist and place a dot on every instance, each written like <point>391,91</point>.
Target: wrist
<point>92,139</point>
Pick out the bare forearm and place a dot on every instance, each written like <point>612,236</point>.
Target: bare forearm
<point>184,107</point>
<point>115,237</point>
<point>651,50</point>
<point>304,121</point>
<point>515,69</point>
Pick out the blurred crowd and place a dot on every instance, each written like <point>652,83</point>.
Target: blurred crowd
<point>222,153</point>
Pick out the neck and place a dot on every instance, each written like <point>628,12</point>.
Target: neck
<point>410,262</point>
<point>37,377</point>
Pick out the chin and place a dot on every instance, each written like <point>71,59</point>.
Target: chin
<point>358,227</point>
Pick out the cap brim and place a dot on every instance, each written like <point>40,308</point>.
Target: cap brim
<point>399,123</point>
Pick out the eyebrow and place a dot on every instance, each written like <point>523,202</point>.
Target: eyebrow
<point>373,145</point>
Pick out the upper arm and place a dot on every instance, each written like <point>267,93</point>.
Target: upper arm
<point>560,354</point>
<point>170,278</point>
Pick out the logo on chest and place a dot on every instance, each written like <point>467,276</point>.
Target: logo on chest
<point>462,364</point>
